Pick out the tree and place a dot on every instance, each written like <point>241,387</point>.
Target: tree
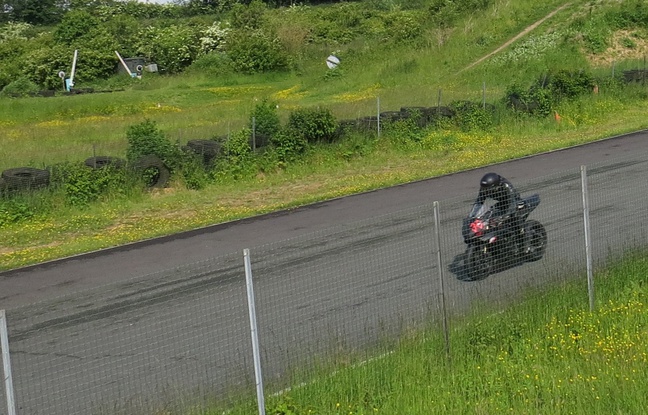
<point>36,12</point>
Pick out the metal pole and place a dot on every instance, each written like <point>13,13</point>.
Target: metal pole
<point>254,332</point>
<point>437,237</point>
<point>253,134</point>
<point>484,94</point>
<point>588,238</point>
<point>6,364</point>
<point>378,114</point>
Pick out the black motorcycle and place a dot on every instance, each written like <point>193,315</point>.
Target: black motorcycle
<point>499,241</point>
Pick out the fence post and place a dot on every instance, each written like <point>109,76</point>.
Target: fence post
<point>254,332</point>
<point>6,364</point>
<point>253,134</point>
<point>588,240</point>
<point>437,237</point>
<point>378,115</point>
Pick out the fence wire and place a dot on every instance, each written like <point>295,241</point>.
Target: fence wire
<point>181,337</point>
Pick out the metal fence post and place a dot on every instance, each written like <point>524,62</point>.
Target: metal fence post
<point>437,237</point>
<point>254,332</point>
<point>378,115</point>
<point>588,240</point>
<point>6,364</point>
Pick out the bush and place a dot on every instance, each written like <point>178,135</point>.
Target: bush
<point>83,185</point>
<point>471,116</point>
<point>145,139</point>
<point>569,84</point>
<point>266,119</point>
<point>20,87</point>
<point>255,52</point>
<point>173,48</point>
<point>314,124</point>
<point>288,144</point>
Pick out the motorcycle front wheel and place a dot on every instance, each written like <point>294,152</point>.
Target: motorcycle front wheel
<point>479,263</point>
<point>536,241</point>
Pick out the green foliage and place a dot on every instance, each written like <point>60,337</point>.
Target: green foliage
<point>629,14</point>
<point>470,116</point>
<point>288,144</point>
<point>146,138</point>
<point>213,63</point>
<point>173,48</point>
<point>42,65</point>
<point>248,17</point>
<point>15,210</point>
<point>314,124</point>
<point>536,100</point>
<point>192,170</point>
<point>237,161</point>
<point>255,51</point>
<point>83,185</point>
<point>35,12</point>
<point>266,118</point>
<point>570,84</point>
<point>75,25</point>
<point>405,133</point>
<point>19,88</point>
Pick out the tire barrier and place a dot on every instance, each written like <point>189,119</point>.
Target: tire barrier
<point>25,178</point>
<point>208,149</point>
<point>99,162</point>
<point>635,75</point>
<point>153,170</point>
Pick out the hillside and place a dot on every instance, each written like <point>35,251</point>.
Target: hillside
<point>390,59</point>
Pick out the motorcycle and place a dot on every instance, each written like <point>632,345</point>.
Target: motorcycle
<point>501,240</point>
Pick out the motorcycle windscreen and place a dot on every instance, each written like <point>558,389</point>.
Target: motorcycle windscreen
<point>483,210</point>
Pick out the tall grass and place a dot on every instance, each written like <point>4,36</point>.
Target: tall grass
<point>545,355</point>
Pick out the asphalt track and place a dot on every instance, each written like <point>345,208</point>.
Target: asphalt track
<point>171,311</point>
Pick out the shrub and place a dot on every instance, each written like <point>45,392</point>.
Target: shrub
<point>471,116</point>
<point>145,138</point>
<point>255,52</point>
<point>15,210</point>
<point>570,84</point>
<point>266,119</point>
<point>20,87</point>
<point>248,17</point>
<point>83,185</point>
<point>288,144</point>
<point>173,48</point>
<point>314,124</point>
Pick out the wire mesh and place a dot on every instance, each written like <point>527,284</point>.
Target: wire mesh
<point>336,296</point>
<point>487,267</point>
<point>343,292</point>
<point>160,341</point>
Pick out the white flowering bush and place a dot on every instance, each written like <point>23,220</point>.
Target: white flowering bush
<point>214,38</point>
<point>14,30</point>
<point>173,48</point>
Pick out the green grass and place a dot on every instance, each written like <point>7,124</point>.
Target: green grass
<point>547,354</point>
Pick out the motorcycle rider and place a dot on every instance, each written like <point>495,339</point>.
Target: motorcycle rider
<point>496,187</point>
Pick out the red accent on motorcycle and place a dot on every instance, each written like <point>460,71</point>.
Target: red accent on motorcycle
<point>477,227</point>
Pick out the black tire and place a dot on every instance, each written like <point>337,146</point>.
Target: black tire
<point>153,170</point>
<point>23,178</point>
<point>390,116</point>
<point>208,149</point>
<point>536,241</point>
<point>99,162</point>
<point>479,263</point>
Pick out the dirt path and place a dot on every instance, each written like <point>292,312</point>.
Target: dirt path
<point>519,35</point>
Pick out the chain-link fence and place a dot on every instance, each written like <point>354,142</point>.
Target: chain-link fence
<point>181,338</point>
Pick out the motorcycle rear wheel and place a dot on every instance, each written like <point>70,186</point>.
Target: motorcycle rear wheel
<point>479,263</point>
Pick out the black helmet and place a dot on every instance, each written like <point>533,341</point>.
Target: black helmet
<point>490,180</point>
